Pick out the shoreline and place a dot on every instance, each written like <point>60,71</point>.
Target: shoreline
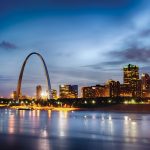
<point>121,108</point>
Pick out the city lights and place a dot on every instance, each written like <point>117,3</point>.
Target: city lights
<point>74,74</point>
<point>130,92</point>
<point>132,86</point>
<point>93,102</point>
<point>44,95</point>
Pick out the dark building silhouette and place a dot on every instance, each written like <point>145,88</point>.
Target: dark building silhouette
<point>145,79</point>
<point>114,88</point>
<point>38,92</point>
<point>125,90</point>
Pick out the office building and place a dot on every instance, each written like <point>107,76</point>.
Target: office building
<point>68,91</point>
<point>130,72</point>
<point>145,79</point>
<point>132,83</point>
<point>93,91</point>
<point>112,88</point>
<point>14,95</point>
<point>54,94</point>
<point>39,92</point>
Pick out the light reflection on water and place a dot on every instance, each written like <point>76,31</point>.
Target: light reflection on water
<point>66,130</point>
<point>62,124</point>
<point>11,123</point>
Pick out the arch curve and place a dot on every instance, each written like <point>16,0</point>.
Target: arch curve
<point>46,74</point>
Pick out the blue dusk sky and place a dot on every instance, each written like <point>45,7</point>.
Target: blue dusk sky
<point>84,42</point>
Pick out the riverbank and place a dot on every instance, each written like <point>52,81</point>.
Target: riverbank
<point>141,108</point>
<point>137,108</point>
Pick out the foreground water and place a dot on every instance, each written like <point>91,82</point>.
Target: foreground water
<point>73,130</point>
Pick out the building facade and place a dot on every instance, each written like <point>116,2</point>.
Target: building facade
<point>93,91</point>
<point>145,79</point>
<point>132,83</point>
<point>54,93</point>
<point>38,92</point>
<point>68,91</point>
<point>113,87</point>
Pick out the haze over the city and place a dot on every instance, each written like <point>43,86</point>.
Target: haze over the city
<point>83,42</point>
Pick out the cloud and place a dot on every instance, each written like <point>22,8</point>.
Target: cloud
<point>111,63</point>
<point>7,45</point>
<point>145,33</point>
<point>94,66</point>
<point>6,78</point>
<point>109,66</point>
<point>118,58</point>
<point>133,54</point>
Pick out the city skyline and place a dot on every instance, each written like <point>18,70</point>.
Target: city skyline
<point>133,85</point>
<point>74,74</point>
<point>140,74</point>
<point>83,43</point>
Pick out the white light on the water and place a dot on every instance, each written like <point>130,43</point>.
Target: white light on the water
<point>126,118</point>
<point>44,133</point>
<point>133,123</point>
<point>103,118</point>
<point>109,118</point>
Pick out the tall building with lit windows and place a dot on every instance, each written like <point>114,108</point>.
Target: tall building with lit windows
<point>93,91</point>
<point>113,88</point>
<point>145,79</point>
<point>110,89</point>
<point>132,83</point>
<point>131,73</point>
<point>14,95</point>
<point>125,90</point>
<point>54,93</point>
<point>68,91</point>
<point>89,92</point>
<point>38,92</point>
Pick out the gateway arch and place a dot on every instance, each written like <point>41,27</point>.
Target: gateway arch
<point>46,74</point>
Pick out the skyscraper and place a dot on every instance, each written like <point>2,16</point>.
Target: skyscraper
<point>131,80</point>
<point>68,91</point>
<point>38,92</point>
<point>131,73</point>
<point>145,79</point>
<point>54,94</point>
<point>14,95</point>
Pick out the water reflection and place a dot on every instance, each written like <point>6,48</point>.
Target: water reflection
<point>43,144</point>
<point>49,113</point>
<point>130,130</point>
<point>49,128</point>
<point>62,124</point>
<point>43,133</point>
<point>21,113</point>
<point>11,124</point>
<point>111,125</point>
<point>35,113</point>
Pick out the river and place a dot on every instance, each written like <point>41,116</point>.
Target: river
<point>73,130</point>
